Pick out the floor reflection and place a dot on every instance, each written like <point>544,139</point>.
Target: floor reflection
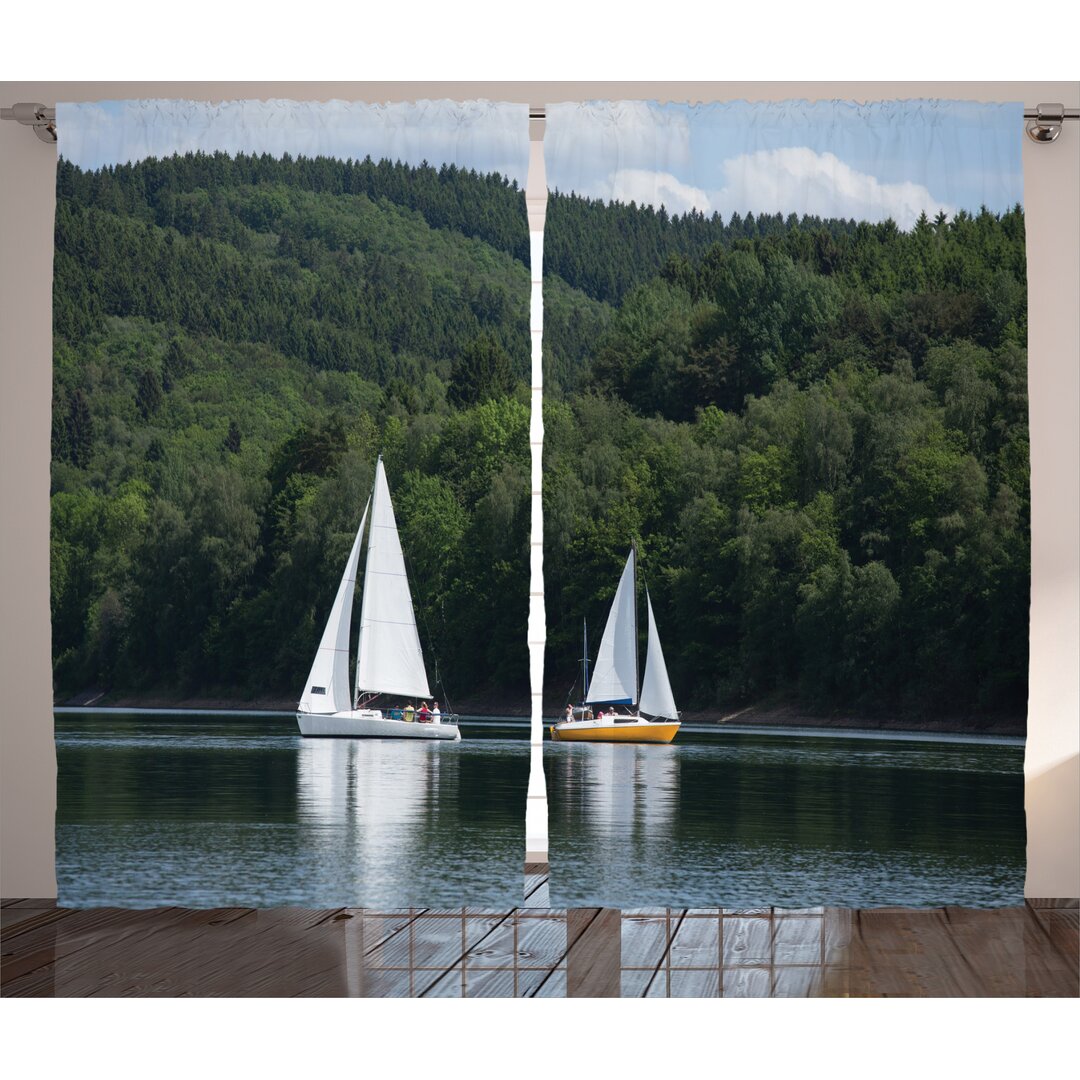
<point>826,952</point>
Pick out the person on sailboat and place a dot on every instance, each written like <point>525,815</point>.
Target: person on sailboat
<point>569,713</point>
<point>409,713</point>
<point>395,713</point>
<point>436,715</point>
<point>423,714</point>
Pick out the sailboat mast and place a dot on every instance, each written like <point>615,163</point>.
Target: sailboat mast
<point>585,656</point>
<point>360,631</point>
<point>633,552</point>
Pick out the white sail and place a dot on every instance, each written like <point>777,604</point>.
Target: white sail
<point>656,696</point>
<point>615,674</point>
<point>327,686</point>
<point>388,660</point>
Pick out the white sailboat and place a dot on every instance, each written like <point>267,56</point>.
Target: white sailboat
<point>615,680</point>
<point>388,656</point>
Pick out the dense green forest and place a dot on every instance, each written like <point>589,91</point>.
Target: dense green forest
<point>815,430</point>
<point>817,433</point>
<point>236,339</point>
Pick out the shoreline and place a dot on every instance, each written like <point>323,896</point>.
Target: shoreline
<point>761,715</point>
<point>796,716</point>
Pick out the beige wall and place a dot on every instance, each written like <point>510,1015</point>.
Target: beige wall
<point>1052,184</point>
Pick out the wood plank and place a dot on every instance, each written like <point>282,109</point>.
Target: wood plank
<point>992,944</point>
<point>798,939</point>
<point>379,983</point>
<point>27,919</point>
<point>837,936</point>
<point>692,984</point>
<point>1051,945</point>
<point>537,892</point>
<point>373,930</point>
<point>593,952</point>
<point>696,943</point>
<point>636,983</point>
<point>212,954</point>
<point>915,953</point>
<point>747,941</point>
<point>797,982</point>
<point>522,941</point>
<point>645,939</point>
<point>469,983</point>
<point>1062,926</point>
<point>746,982</point>
<point>553,985</point>
<point>37,948</point>
<point>434,941</point>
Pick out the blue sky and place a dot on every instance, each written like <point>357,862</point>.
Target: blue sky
<point>886,159</point>
<point>482,135</point>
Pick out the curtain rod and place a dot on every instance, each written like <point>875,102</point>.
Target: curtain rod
<point>1043,122</point>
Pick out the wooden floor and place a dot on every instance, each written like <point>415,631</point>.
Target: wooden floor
<point>533,951</point>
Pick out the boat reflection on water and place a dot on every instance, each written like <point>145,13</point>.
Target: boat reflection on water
<point>370,811</point>
<point>392,823</point>
<point>619,794</point>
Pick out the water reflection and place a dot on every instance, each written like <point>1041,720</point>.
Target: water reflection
<point>749,821</point>
<point>370,809</point>
<point>225,811</point>
<point>622,789</point>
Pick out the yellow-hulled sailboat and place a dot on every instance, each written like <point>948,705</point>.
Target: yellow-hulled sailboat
<point>614,682</point>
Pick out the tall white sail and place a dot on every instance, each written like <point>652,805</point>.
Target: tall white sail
<point>615,674</point>
<point>327,686</point>
<point>389,660</point>
<point>656,696</point>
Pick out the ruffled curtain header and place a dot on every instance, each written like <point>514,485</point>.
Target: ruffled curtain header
<point>483,135</point>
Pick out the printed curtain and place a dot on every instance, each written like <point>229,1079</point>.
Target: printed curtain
<point>268,316</point>
<point>786,386</point>
<point>785,504</point>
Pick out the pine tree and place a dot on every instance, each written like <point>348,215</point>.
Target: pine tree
<point>148,395</point>
<point>482,371</point>
<point>232,439</point>
<point>80,430</point>
<point>177,363</point>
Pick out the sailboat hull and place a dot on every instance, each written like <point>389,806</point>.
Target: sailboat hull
<point>370,724</point>
<point>625,729</point>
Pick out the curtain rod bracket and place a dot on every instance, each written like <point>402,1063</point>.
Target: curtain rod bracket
<point>1044,123</point>
<point>34,115</point>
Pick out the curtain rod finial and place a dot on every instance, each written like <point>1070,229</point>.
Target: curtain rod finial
<point>35,115</point>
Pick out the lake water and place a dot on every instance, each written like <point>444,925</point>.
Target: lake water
<point>226,810</point>
<point>234,810</point>
<point>749,820</point>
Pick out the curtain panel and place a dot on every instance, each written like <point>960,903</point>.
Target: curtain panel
<point>290,502</point>
<point>786,503</point>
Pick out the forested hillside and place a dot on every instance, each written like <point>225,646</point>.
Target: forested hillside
<point>236,339</point>
<point>817,432</point>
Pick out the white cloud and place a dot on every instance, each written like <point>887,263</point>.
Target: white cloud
<point>656,189</point>
<point>796,179</point>
<point>585,142</point>
<point>793,179</point>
